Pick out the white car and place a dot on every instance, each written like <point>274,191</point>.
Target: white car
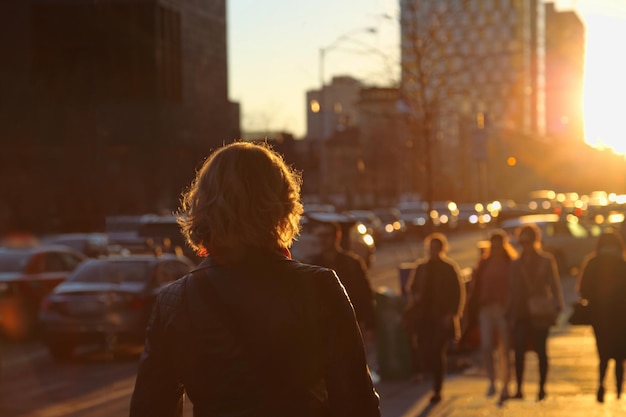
<point>566,238</point>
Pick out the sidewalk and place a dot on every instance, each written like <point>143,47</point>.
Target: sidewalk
<point>571,387</point>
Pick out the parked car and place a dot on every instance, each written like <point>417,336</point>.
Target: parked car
<point>566,238</point>
<point>27,275</point>
<point>106,301</point>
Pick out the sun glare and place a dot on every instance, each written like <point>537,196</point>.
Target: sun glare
<point>605,83</point>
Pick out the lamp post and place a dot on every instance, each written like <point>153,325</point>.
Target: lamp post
<point>323,109</point>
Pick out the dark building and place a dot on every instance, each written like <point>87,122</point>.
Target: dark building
<point>106,107</point>
<point>565,62</point>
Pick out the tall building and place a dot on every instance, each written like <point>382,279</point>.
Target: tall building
<point>565,62</point>
<point>101,96</point>
<point>333,107</point>
<point>476,56</point>
<point>468,66</point>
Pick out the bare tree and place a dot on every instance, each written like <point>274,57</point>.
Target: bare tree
<point>437,62</point>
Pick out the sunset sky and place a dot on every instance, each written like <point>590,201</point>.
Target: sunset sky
<point>274,58</point>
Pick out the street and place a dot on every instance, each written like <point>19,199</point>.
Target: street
<point>97,384</point>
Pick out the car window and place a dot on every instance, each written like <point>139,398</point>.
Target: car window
<point>54,263</point>
<point>36,264</point>
<point>113,272</point>
<point>71,261</point>
<point>13,262</point>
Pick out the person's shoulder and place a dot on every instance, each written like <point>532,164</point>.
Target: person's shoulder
<point>304,269</point>
<point>421,262</point>
<point>451,262</point>
<point>350,255</point>
<point>546,256</point>
<point>170,295</point>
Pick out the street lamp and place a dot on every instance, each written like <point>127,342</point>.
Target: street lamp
<point>323,110</point>
<point>334,44</point>
<point>323,107</point>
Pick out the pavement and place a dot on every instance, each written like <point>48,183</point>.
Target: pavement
<point>571,386</point>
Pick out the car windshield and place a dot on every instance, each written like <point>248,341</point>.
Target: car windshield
<point>113,272</point>
<point>13,262</point>
<point>73,243</point>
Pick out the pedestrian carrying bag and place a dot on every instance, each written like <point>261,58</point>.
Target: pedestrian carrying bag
<point>541,306</point>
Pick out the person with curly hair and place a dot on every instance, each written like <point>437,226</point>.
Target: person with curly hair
<point>251,332</point>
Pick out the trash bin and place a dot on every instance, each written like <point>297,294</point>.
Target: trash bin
<point>392,342</point>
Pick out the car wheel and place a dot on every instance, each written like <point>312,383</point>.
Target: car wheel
<point>61,351</point>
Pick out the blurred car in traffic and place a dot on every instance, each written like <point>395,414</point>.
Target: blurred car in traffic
<point>393,226</point>
<point>91,245</point>
<point>415,217</point>
<point>149,233</point>
<point>27,275</point>
<point>566,238</point>
<point>370,220</point>
<point>106,301</point>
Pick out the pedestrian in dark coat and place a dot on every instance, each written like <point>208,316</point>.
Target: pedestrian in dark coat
<point>352,273</point>
<point>602,283</point>
<point>533,273</point>
<point>251,333</point>
<point>435,287</point>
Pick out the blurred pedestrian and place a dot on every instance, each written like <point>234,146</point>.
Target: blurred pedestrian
<point>487,301</point>
<point>534,278</point>
<point>352,273</point>
<point>436,289</point>
<point>251,332</point>
<point>602,283</point>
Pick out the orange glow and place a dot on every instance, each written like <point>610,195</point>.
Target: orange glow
<point>605,87</point>
<point>511,161</point>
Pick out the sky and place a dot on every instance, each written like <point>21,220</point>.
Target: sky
<point>274,58</point>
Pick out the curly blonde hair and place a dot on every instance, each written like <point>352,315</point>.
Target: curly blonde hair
<point>244,195</point>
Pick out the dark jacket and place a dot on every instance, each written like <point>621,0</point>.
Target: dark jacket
<point>266,336</point>
<point>603,284</point>
<point>437,288</point>
<point>544,279</point>
<point>352,273</point>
